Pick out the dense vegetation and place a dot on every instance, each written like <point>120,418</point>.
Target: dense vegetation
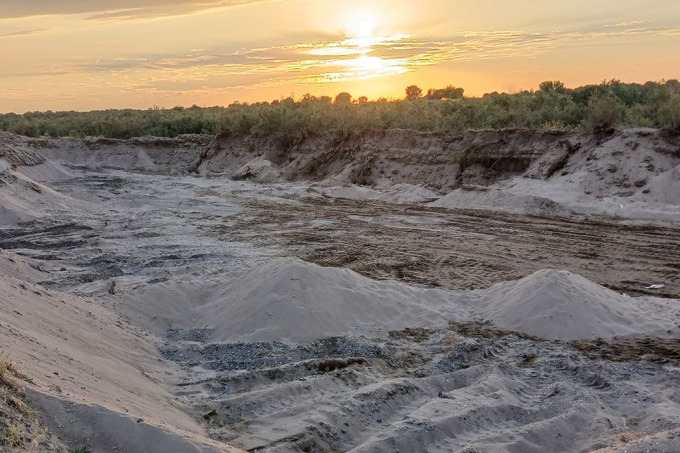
<point>593,107</point>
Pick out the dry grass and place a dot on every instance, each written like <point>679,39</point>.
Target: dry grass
<point>13,437</point>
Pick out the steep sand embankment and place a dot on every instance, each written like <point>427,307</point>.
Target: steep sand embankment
<point>633,173</point>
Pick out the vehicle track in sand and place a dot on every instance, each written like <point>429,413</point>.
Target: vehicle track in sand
<point>462,249</point>
<point>468,387</point>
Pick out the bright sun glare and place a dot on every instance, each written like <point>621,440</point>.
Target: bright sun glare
<point>365,29</point>
<point>361,25</point>
<point>354,57</point>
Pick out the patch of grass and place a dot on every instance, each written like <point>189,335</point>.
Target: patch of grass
<point>7,369</point>
<point>41,435</point>
<point>21,407</point>
<point>13,437</point>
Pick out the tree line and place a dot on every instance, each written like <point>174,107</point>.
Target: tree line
<point>592,107</point>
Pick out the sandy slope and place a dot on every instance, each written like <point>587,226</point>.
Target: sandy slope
<point>77,350</point>
<point>631,174</point>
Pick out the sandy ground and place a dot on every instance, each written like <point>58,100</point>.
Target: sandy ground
<point>187,312</point>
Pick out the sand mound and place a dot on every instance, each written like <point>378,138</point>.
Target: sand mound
<point>397,194</point>
<point>258,169</point>
<point>24,199</point>
<point>557,304</point>
<point>493,199</point>
<point>290,299</point>
<point>295,301</point>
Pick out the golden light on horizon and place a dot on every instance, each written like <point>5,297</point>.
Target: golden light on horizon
<point>81,57</point>
<point>357,56</point>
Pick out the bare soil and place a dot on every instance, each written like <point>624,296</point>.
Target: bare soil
<point>463,249</point>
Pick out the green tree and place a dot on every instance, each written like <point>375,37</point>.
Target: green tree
<point>413,92</point>
<point>552,86</point>
<point>343,99</point>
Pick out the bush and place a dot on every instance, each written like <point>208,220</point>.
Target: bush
<point>604,113</point>
<point>669,114</point>
<point>13,437</point>
<point>598,107</point>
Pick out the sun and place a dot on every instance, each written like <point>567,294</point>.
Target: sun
<point>365,29</point>
<point>362,25</point>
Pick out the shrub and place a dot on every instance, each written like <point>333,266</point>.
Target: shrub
<point>604,113</point>
<point>343,98</point>
<point>440,110</point>
<point>669,114</point>
<point>13,437</point>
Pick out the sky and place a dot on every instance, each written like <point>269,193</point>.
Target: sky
<point>100,54</point>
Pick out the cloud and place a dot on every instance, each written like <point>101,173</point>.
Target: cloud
<point>33,31</point>
<point>110,9</point>
<point>326,60</point>
<point>628,23</point>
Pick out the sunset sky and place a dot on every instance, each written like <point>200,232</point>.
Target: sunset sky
<point>96,54</point>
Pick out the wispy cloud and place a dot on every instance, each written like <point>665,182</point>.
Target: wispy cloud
<point>627,23</point>
<point>33,31</point>
<point>110,9</point>
<point>328,61</point>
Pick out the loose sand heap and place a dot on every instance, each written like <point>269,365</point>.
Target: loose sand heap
<point>295,301</point>
<point>556,304</point>
<point>291,300</point>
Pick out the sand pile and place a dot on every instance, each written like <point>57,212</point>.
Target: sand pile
<point>23,198</point>
<point>557,304</point>
<point>494,199</point>
<point>293,300</point>
<point>397,194</point>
